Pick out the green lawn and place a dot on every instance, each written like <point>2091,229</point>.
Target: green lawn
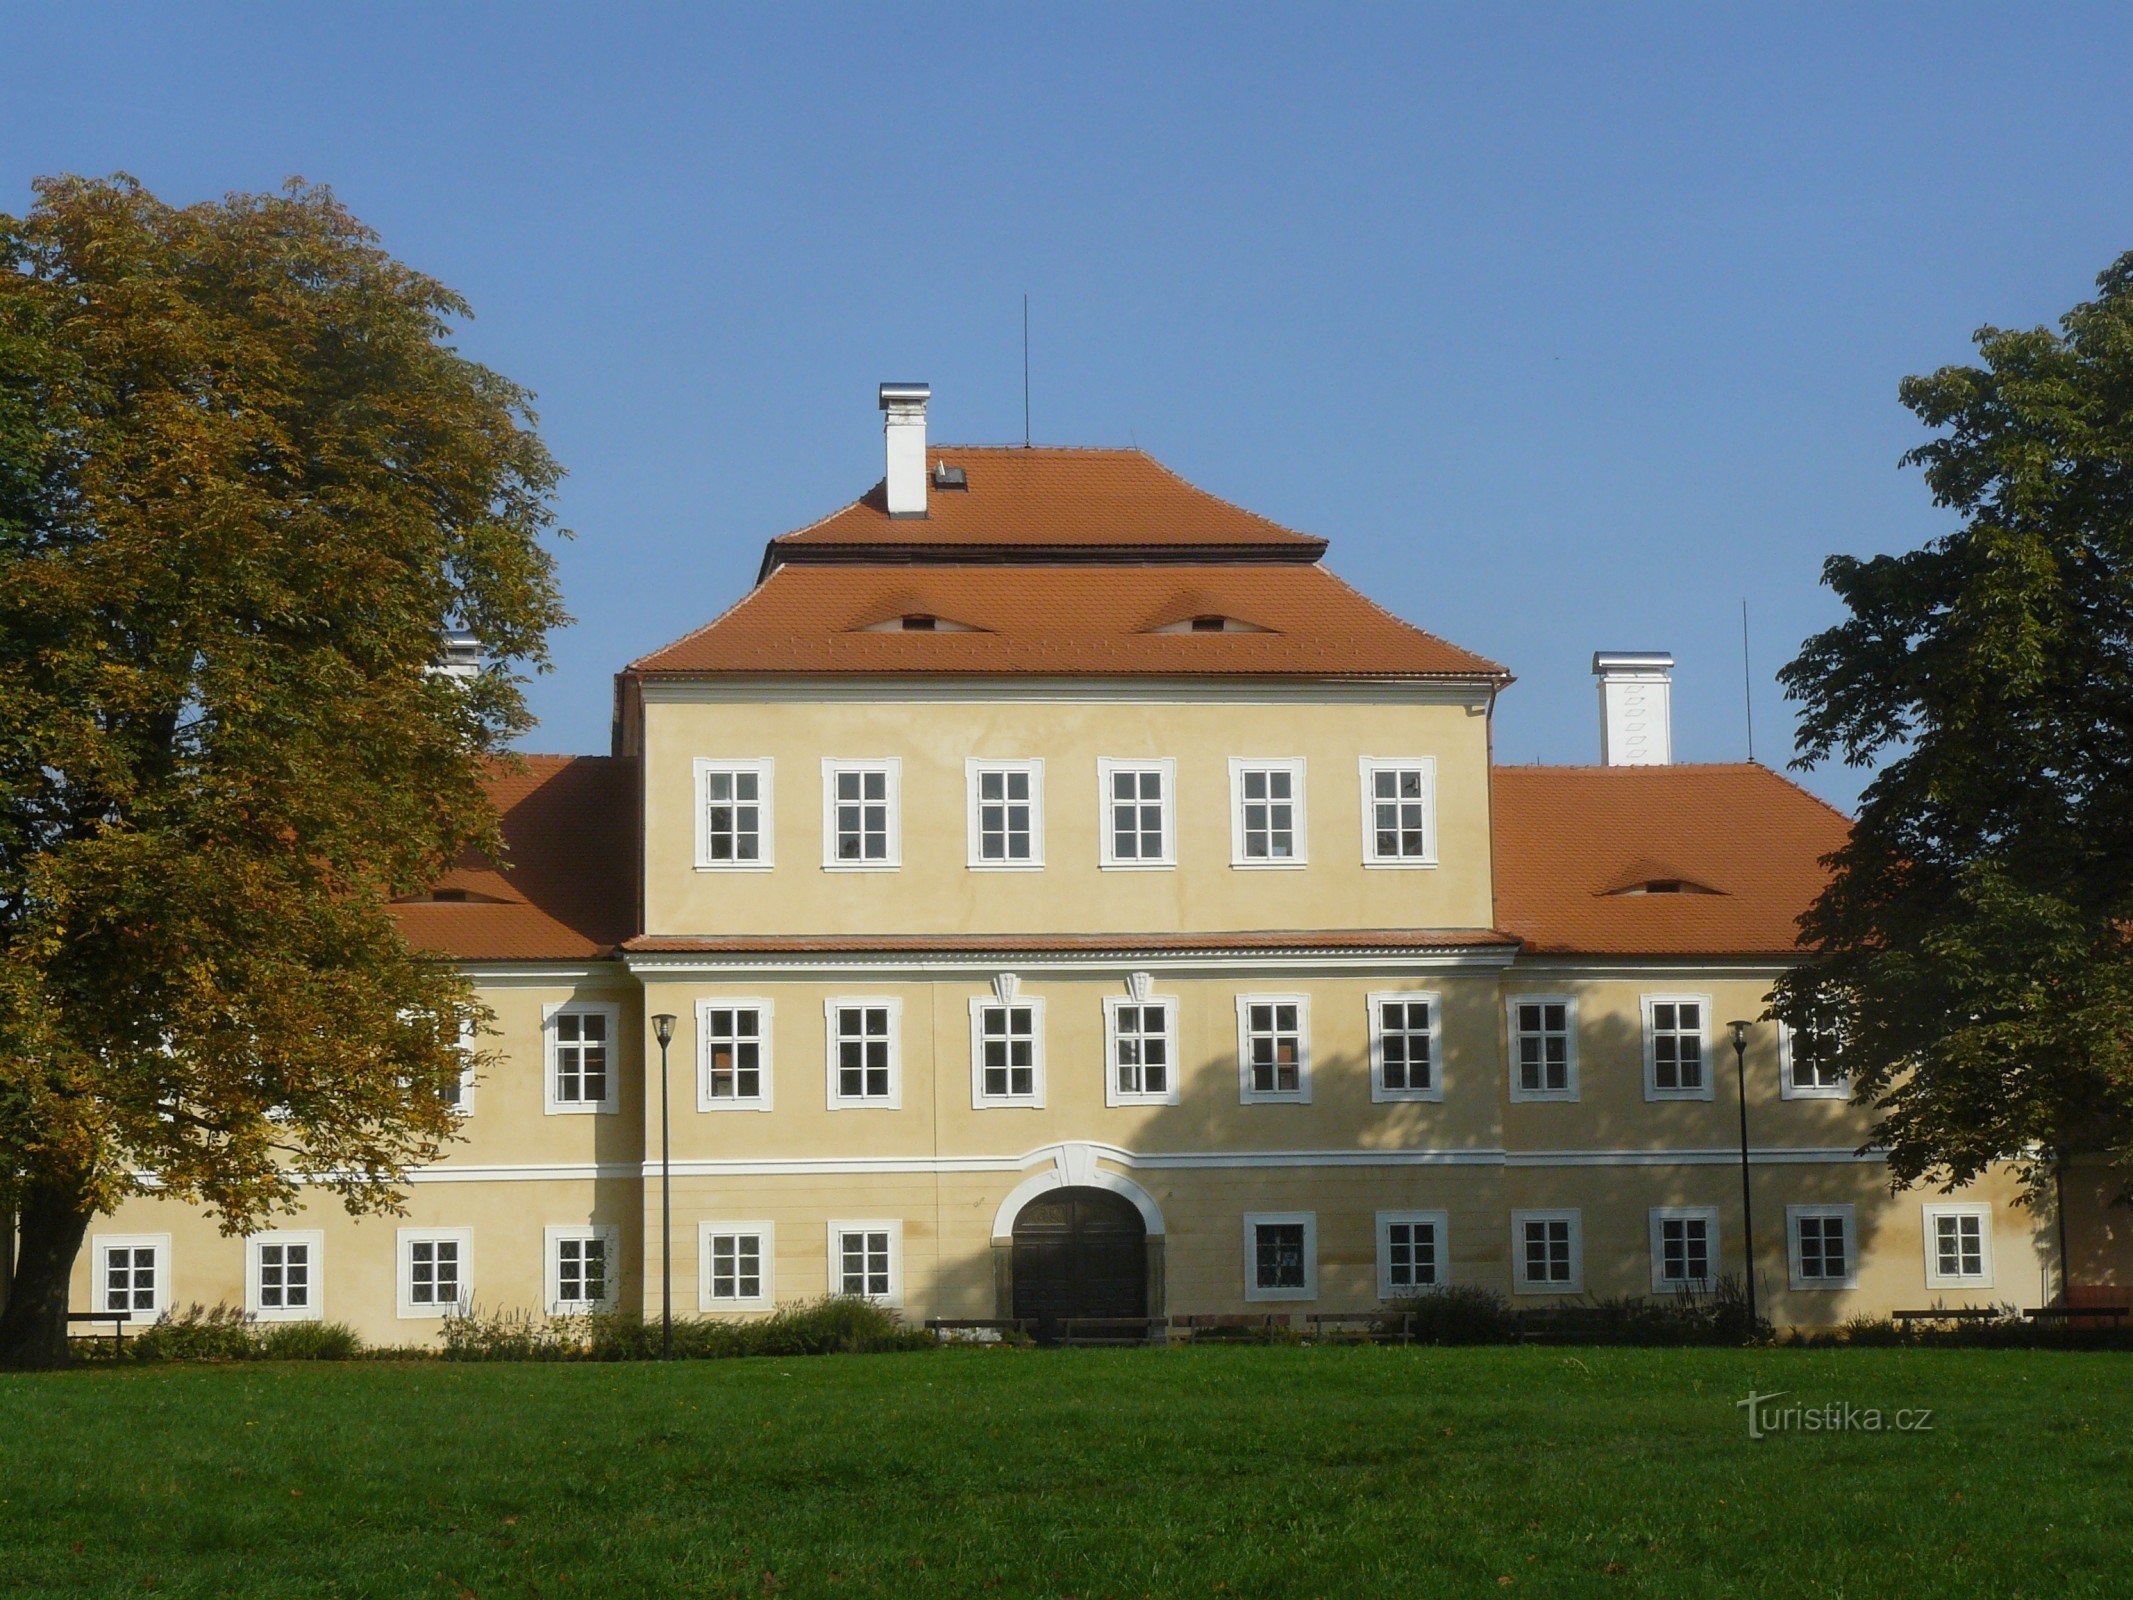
<point>1243,1472</point>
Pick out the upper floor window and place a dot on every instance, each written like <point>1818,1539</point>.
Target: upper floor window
<point>1266,822</point>
<point>861,826</point>
<point>1006,1048</point>
<point>863,1053</point>
<point>1274,1047</point>
<point>1403,1047</point>
<point>1810,1065</point>
<point>1958,1246</point>
<point>1684,1247</point>
<point>580,1041</point>
<point>1138,827</point>
<point>1141,1046</point>
<point>459,1094</point>
<point>733,814</point>
<point>1399,811</point>
<point>734,1038</point>
<point>1006,800</point>
<point>1544,1046</point>
<point>1676,1047</point>
<point>1819,1242</point>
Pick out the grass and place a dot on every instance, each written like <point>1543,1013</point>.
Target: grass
<point>1232,1472</point>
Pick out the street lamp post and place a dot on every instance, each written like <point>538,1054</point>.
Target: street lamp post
<point>1747,1202</point>
<point>663,1031</point>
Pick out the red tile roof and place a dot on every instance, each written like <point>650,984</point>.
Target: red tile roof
<point>569,824</point>
<point>1569,839</point>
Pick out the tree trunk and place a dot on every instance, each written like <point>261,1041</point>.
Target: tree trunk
<point>48,1233</point>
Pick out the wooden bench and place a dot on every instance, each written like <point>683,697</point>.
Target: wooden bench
<point>975,1330</point>
<point>1110,1330</point>
<point>2113,1317</point>
<point>1359,1327</point>
<point>117,1319</point>
<point>1958,1315</point>
<point>1231,1327</point>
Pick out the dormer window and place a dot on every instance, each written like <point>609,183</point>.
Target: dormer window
<point>1210,624</point>
<point>919,622</point>
<point>1662,886</point>
<point>915,621</point>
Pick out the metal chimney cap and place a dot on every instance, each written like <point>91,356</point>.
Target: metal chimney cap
<point>1608,661</point>
<point>905,393</point>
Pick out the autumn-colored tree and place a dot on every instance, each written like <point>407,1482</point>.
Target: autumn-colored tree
<point>1976,938</point>
<point>245,482</point>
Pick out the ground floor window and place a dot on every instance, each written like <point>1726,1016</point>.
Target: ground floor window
<point>435,1276</point>
<point>1958,1247</point>
<point>581,1268</point>
<point>1411,1252</point>
<point>866,1260</point>
<point>133,1274</point>
<point>1546,1248</point>
<point>282,1276</point>
<point>1281,1256</point>
<point>1819,1240</point>
<point>735,1267</point>
<point>1684,1247</point>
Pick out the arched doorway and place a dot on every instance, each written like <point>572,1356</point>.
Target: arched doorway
<point>1079,1253</point>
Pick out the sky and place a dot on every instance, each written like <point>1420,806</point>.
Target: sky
<point>1571,327</point>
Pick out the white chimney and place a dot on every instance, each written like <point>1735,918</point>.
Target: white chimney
<point>903,435</point>
<point>458,656</point>
<point>1636,707</point>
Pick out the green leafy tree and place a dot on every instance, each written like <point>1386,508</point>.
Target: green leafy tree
<point>245,480</point>
<point>1976,967</point>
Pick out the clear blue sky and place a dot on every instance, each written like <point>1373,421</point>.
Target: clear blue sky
<point>1569,327</point>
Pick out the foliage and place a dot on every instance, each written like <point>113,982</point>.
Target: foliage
<point>310,1341</point>
<point>225,1332</point>
<point>1452,1313</point>
<point>835,1325</point>
<point>244,482</point>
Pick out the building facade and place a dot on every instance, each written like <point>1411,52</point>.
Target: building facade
<point>1071,898</point>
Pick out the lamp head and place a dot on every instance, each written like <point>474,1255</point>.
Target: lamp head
<point>1740,1034</point>
<point>663,1027</point>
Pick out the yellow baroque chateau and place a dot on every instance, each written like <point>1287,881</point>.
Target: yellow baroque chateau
<point>1074,899</point>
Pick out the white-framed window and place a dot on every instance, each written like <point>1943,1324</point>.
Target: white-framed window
<point>1399,811</point>
<point>733,1055</point>
<point>865,1067</point>
<point>459,1096</point>
<point>1548,1252</point>
<point>1810,1066</point>
<point>1544,1046</point>
<point>866,1260</point>
<point>1406,1049</point>
<point>735,830</point>
<point>1414,1252</point>
<point>734,1263</point>
<point>284,1275</point>
<point>1281,1255</point>
<point>1006,803</point>
<point>1006,1047</point>
<point>1138,804</point>
<point>436,1271</point>
<point>583,1072</point>
<point>132,1274</point>
<point>1266,812</point>
<point>862,822</point>
<point>582,1264</point>
<point>1677,1047</point>
<point>1141,1047</point>
<point>1274,1048</point>
<point>1684,1247</point>
<point>1822,1246</point>
<point>1958,1245</point>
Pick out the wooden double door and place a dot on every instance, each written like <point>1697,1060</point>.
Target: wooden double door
<point>1079,1253</point>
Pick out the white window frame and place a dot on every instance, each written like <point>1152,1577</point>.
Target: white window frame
<point>1299,833</point>
<point>1253,1222</point>
<point>1440,1221</point>
<point>840,1226</point>
<point>1932,1214</point>
<point>404,1271</point>
<point>765,771</point>
<point>1301,1094</point>
<point>1113,1094</point>
<point>1106,837</point>
<point>464,1105</point>
<point>314,1241</point>
<point>100,1295</point>
<point>849,1002</point>
<point>764,1098</point>
<point>1379,1093</point>
<point>1569,1003</point>
<point>979,1005</point>
<point>551,1102</point>
<point>1707,1089</point>
<point>1367,769</point>
<point>552,1267</point>
<point>1520,1283</point>
<point>1662,1215</point>
<point>893,792</point>
<point>1788,1090</point>
<point>974,769</point>
<point>765,1235</point>
<point>1850,1218</point>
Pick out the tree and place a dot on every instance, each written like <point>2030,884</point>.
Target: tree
<point>1974,955</point>
<point>245,480</point>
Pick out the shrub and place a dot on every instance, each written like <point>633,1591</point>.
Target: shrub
<point>1452,1313</point>
<point>475,1335</point>
<point>310,1341</point>
<point>198,1333</point>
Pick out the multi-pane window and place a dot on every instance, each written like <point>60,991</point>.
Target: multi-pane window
<point>1266,826</point>
<point>1674,1045</point>
<point>1007,1050</point>
<point>860,798</point>
<point>579,1038</point>
<point>1280,1256</point>
<point>863,1260</point>
<point>1141,1050</point>
<point>733,1054</point>
<point>1410,1252</point>
<point>734,804</point>
<point>1547,1246</point>
<point>1136,813</point>
<point>863,1052</point>
<point>1958,1246</point>
<point>1273,1046</point>
<point>583,1263</point>
<point>1399,828</point>
<point>1821,1246</point>
<point>284,1275</point>
<point>131,1277</point>
<point>1543,1048</point>
<point>736,1267</point>
<point>1403,1037</point>
<point>1684,1247</point>
<point>1006,813</point>
<point>1813,1064</point>
<point>434,1274</point>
